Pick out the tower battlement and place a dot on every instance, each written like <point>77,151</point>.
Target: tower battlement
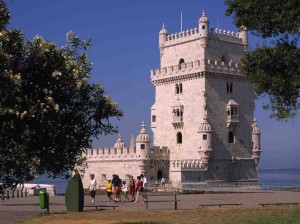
<point>125,153</point>
<point>177,71</point>
<point>193,34</point>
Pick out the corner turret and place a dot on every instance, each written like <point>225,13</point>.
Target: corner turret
<point>162,36</point>
<point>203,26</point>
<point>243,35</point>
<point>205,148</point>
<point>143,143</point>
<point>256,151</point>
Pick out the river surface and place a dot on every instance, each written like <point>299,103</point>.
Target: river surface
<point>273,177</point>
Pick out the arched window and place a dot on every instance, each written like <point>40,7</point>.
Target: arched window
<point>179,138</point>
<point>181,61</point>
<point>230,88</point>
<point>230,137</point>
<point>142,146</point>
<point>180,87</point>
<point>227,87</point>
<point>177,89</point>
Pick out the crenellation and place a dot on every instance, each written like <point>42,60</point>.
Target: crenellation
<point>196,66</point>
<point>182,34</point>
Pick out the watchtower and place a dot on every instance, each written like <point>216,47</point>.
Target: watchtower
<point>203,110</point>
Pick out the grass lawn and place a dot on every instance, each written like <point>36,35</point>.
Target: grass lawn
<point>232,215</point>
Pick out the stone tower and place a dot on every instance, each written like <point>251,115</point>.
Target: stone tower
<point>203,110</point>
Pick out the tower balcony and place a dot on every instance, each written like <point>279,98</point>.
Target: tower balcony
<point>177,122</point>
<point>232,120</point>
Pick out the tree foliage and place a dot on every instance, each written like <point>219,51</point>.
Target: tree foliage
<point>273,68</point>
<point>49,111</point>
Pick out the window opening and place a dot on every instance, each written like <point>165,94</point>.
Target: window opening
<point>181,61</point>
<point>153,118</point>
<point>230,137</point>
<point>142,146</point>
<point>180,87</point>
<point>179,138</point>
<point>177,89</point>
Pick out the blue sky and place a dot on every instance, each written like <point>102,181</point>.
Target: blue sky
<point>125,47</point>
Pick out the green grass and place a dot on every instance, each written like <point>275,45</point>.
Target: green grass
<point>233,215</point>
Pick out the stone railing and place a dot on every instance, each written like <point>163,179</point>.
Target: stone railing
<point>187,164</point>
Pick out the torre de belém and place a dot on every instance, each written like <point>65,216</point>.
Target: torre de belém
<point>202,117</point>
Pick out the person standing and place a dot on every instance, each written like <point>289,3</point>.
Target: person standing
<point>132,188</point>
<point>125,191</point>
<point>93,187</point>
<point>139,189</point>
<point>163,182</point>
<point>144,180</point>
<point>109,191</point>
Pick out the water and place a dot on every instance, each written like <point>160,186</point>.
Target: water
<point>60,184</point>
<point>282,177</point>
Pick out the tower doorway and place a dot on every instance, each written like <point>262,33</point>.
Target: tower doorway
<point>159,175</point>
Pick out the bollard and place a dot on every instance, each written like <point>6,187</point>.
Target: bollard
<point>25,192</point>
<point>175,201</point>
<point>21,193</point>
<point>7,194</point>
<point>18,194</point>
<point>13,194</point>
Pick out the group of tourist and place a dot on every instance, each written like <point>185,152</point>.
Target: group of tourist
<point>130,191</point>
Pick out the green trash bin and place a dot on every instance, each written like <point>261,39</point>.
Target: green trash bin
<point>44,199</point>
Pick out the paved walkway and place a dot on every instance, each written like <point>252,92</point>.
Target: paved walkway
<point>15,209</point>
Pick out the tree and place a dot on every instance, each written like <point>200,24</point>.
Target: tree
<point>273,67</point>
<point>49,111</point>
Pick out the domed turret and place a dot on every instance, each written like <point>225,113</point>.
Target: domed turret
<point>203,25</point>
<point>143,142</point>
<point>163,36</point>
<point>256,151</point>
<point>205,147</point>
<point>119,144</point>
<point>243,34</point>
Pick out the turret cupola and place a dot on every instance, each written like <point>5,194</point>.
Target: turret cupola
<point>143,143</point>
<point>163,36</point>
<point>203,25</point>
<point>119,144</point>
<point>143,136</point>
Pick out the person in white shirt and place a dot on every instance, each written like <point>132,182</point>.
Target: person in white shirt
<point>124,190</point>
<point>144,179</point>
<point>162,182</point>
<point>93,187</point>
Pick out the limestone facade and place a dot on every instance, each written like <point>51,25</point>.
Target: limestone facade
<point>202,118</point>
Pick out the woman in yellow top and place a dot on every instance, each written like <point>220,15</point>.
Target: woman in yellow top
<point>109,191</point>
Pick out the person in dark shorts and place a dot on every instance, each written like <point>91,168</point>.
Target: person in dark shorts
<point>109,191</point>
<point>93,187</point>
